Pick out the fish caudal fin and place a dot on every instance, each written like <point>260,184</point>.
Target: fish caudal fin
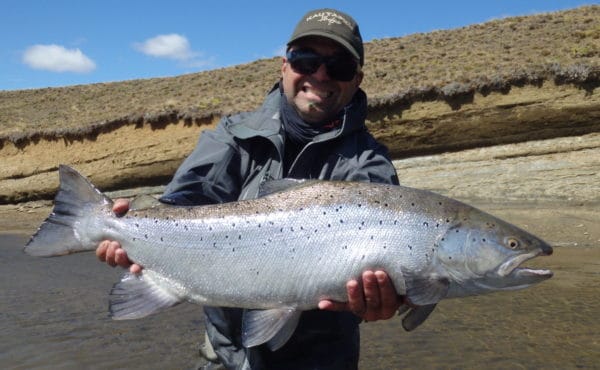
<point>137,296</point>
<point>75,199</point>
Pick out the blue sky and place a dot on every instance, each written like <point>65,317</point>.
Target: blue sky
<point>61,43</point>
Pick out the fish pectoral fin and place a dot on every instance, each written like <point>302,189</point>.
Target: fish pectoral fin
<point>273,326</point>
<point>416,316</point>
<point>426,291</point>
<point>137,296</point>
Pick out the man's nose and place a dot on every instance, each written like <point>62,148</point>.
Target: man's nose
<point>321,73</point>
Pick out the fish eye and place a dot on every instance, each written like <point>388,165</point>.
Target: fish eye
<point>512,243</point>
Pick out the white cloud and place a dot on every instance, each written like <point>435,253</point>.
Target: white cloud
<point>171,46</point>
<point>57,58</point>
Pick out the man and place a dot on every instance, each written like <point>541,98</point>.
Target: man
<point>311,125</point>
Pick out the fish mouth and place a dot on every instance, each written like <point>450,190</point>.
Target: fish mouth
<point>511,267</point>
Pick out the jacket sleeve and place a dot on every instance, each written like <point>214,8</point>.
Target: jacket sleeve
<point>210,174</point>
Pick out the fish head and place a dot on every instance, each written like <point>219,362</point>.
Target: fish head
<point>483,254</point>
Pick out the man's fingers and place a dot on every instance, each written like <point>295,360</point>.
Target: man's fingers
<point>135,269</point>
<point>356,298</point>
<point>389,297</point>
<point>372,293</point>
<point>121,206</point>
<point>101,250</point>
<point>332,305</point>
<point>121,258</point>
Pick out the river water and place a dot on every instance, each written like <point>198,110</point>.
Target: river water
<point>53,315</point>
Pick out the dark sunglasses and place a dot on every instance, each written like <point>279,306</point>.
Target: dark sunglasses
<point>340,67</point>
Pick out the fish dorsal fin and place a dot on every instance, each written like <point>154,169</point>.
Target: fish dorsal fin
<point>137,296</point>
<point>426,291</point>
<point>416,316</point>
<point>144,201</point>
<point>274,326</point>
<point>277,186</point>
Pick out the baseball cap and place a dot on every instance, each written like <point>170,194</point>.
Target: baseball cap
<point>333,24</point>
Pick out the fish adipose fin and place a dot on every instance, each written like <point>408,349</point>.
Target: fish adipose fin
<point>76,198</point>
<point>137,296</point>
<point>274,326</point>
<point>277,186</point>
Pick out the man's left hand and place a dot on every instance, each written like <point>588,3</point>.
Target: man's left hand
<point>374,298</point>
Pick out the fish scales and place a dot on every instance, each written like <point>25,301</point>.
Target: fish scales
<point>299,243</point>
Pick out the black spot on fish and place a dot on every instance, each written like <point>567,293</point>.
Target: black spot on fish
<point>146,236</point>
<point>426,224</point>
<point>233,249</point>
<point>328,225</point>
<point>341,221</point>
<point>359,205</point>
<point>161,239</point>
<point>385,205</point>
<point>185,227</point>
<point>240,237</point>
<point>363,257</point>
<point>137,225</point>
<point>410,247</point>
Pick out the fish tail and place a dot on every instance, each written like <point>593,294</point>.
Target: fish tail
<point>76,198</point>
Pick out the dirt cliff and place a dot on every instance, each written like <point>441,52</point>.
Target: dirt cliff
<point>492,125</point>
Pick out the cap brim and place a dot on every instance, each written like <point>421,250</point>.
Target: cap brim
<point>330,36</point>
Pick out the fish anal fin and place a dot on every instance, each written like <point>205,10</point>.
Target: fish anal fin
<point>137,296</point>
<point>272,326</point>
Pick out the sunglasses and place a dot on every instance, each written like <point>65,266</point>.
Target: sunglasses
<point>340,67</point>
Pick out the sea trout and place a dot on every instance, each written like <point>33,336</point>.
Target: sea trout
<point>298,243</point>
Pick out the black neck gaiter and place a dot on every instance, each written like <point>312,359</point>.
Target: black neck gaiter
<point>298,133</point>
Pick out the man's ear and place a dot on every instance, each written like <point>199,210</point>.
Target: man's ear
<point>284,66</point>
<point>359,78</point>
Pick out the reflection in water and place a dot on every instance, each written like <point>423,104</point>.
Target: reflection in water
<point>53,314</point>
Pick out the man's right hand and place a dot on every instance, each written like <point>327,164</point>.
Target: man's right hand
<point>110,251</point>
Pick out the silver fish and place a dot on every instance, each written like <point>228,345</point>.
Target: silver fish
<point>297,244</point>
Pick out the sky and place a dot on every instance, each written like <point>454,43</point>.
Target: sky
<point>62,43</point>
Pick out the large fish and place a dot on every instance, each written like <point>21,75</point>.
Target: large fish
<point>297,244</point>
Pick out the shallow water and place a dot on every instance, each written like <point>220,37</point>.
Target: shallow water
<point>53,315</point>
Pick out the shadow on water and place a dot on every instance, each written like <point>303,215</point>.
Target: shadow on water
<point>53,314</point>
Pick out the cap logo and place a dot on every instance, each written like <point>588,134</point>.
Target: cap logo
<point>330,18</point>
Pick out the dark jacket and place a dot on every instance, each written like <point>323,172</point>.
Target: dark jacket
<point>229,164</point>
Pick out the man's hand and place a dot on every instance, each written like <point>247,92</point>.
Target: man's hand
<point>110,251</point>
<point>374,298</point>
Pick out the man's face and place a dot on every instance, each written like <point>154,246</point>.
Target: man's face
<point>317,97</point>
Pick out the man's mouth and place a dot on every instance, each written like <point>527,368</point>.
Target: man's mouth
<point>321,94</point>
